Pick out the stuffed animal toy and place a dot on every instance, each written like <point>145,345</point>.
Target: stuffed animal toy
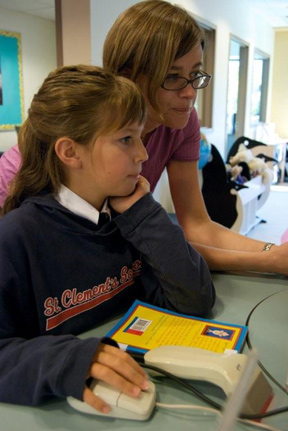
<point>257,166</point>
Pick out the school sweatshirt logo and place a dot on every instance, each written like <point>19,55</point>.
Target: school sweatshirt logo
<point>72,302</point>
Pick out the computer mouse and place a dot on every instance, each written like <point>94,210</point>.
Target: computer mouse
<point>122,406</point>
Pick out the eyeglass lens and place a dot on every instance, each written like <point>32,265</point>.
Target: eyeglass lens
<point>177,83</point>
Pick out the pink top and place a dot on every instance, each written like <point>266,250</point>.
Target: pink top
<point>9,164</point>
<point>164,144</point>
<point>167,144</point>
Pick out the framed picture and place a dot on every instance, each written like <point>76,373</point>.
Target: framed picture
<point>11,84</point>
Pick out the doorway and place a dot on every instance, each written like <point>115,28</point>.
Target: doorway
<point>236,96</point>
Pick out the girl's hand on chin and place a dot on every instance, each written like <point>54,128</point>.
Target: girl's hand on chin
<point>121,204</point>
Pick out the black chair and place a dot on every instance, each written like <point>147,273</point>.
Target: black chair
<point>216,190</point>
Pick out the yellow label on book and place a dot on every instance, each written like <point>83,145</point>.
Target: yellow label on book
<point>147,328</point>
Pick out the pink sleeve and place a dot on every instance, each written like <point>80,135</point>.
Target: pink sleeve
<point>9,164</point>
<point>190,145</point>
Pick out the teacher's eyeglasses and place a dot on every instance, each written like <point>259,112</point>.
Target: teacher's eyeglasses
<point>175,82</point>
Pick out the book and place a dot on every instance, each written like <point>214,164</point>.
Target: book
<point>145,326</point>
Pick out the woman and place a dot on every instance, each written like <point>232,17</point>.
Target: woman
<point>160,47</point>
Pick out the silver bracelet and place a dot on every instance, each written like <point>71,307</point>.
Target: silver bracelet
<point>267,246</point>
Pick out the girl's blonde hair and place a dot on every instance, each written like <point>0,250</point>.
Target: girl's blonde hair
<point>146,39</point>
<point>77,102</point>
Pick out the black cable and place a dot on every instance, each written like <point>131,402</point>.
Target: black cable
<point>187,385</point>
<point>208,400</point>
<point>249,344</point>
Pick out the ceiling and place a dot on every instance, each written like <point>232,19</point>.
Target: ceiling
<point>42,8</point>
<point>275,12</point>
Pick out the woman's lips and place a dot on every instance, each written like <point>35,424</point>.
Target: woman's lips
<point>183,110</point>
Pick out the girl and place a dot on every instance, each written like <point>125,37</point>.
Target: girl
<point>160,46</point>
<point>62,272</point>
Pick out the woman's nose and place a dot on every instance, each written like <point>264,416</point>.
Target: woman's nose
<point>189,92</point>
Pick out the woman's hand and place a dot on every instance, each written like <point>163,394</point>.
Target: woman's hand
<point>123,203</point>
<point>117,369</point>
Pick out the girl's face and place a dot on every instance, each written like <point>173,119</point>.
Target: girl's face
<point>176,106</point>
<point>111,165</point>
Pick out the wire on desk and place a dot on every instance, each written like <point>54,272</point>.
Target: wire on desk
<point>208,400</point>
<point>249,344</point>
<point>214,411</point>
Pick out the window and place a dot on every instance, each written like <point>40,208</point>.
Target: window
<point>259,88</point>
<point>236,95</point>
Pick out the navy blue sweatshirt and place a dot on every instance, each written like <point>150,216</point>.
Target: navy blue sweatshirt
<point>61,275</point>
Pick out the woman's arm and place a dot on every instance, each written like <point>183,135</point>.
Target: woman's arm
<point>222,248</point>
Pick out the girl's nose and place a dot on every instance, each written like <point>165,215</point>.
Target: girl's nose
<point>141,155</point>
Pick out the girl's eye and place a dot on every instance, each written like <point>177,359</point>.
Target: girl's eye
<point>126,140</point>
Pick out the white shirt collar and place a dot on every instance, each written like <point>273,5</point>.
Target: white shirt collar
<point>79,206</point>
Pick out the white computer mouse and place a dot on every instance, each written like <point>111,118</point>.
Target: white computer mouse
<point>122,406</point>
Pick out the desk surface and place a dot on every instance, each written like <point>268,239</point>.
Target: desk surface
<point>237,295</point>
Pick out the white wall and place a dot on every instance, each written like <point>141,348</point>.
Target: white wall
<point>279,105</point>
<point>38,41</point>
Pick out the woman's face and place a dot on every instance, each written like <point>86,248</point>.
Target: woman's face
<point>175,106</point>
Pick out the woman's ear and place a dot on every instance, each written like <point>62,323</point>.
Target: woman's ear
<point>67,151</point>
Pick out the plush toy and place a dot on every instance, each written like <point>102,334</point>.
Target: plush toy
<point>242,155</point>
<point>257,166</point>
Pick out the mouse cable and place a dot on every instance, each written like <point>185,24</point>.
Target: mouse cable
<point>208,400</point>
<point>249,344</point>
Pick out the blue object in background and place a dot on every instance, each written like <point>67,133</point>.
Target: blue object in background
<point>205,151</point>
<point>11,108</point>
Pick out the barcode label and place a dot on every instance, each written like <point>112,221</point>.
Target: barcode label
<point>140,325</point>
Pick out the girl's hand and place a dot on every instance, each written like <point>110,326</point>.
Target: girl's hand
<point>123,203</point>
<point>117,369</point>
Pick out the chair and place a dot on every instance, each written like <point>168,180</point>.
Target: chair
<point>229,203</point>
<point>216,190</point>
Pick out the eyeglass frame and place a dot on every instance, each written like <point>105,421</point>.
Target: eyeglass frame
<point>189,81</point>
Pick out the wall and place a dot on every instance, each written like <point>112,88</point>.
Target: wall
<point>279,101</point>
<point>38,56</point>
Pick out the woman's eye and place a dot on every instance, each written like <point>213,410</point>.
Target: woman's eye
<point>126,140</point>
<point>195,74</point>
<point>172,78</point>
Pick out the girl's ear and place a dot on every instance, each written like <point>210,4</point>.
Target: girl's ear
<point>67,151</point>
